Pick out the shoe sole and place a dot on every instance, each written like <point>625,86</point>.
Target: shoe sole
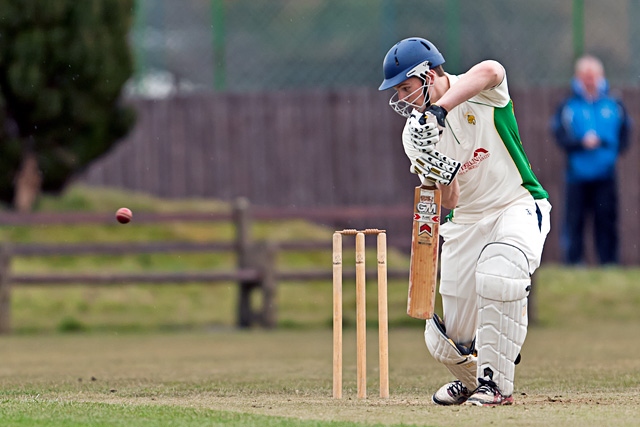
<point>504,401</point>
<point>441,403</point>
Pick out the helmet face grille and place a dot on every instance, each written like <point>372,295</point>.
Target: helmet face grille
<point>404,106</point>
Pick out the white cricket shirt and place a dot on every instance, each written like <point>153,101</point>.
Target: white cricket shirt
<point>482,134</point>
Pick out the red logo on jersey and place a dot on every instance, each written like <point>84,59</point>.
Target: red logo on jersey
<point>479,155</point>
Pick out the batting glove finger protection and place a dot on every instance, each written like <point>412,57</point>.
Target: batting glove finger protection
<point>423,134</point>
<point>436,167</point>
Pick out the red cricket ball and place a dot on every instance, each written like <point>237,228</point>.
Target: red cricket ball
<point>124,215</point>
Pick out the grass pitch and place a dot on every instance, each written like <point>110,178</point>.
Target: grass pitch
<point>144,355</point>
<point>585,376</point>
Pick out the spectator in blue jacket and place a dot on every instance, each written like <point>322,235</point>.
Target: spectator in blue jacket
<point>593,128</point>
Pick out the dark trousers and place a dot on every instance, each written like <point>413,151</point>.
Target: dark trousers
<point>599,201</point>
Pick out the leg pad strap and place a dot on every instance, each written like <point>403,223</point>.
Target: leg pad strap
<point>461,362</point>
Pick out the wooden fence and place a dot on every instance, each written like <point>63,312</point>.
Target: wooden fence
<point>319,149</point>
<point>256,266</point>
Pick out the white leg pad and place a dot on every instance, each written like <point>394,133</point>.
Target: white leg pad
<point>444,350</point>
<point>503,284</point>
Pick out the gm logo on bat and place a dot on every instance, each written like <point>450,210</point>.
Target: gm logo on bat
<point>427,208</point>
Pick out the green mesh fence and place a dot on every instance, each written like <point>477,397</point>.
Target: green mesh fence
<point>258,45</point>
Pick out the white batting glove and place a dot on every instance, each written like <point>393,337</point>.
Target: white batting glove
<point>424,134</point>
<point>435,167</point>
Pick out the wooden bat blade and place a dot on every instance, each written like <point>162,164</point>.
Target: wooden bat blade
<point>423,271</point>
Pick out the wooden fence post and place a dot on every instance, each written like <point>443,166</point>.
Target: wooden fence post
<point>268,267</point>
<point>244,249</point>
<point>5,288</point>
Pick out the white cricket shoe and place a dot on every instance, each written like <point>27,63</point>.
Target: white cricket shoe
<point>488,394</point>
<point>453,393</point>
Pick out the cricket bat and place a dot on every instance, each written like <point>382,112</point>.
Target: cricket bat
<point>425,242</point>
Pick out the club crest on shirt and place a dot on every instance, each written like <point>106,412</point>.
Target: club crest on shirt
<point>471,119</point>
<point>479,155</point>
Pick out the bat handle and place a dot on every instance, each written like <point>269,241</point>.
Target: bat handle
<point>429,185</point>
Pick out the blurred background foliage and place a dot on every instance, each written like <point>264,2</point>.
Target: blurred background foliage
<point>63,65</point>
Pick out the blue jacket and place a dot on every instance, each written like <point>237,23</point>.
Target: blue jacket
<point>607,117</point>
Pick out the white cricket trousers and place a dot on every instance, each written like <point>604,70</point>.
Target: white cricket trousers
<point>525,225</point>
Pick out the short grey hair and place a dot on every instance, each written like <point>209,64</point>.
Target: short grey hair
<point>589,61</point>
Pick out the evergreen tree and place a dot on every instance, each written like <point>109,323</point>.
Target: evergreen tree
<point>63,64</point>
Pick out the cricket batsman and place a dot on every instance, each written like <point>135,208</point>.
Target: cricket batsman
<point>498,222</point>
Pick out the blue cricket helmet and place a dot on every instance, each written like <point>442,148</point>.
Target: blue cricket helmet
<point>406,55</point>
